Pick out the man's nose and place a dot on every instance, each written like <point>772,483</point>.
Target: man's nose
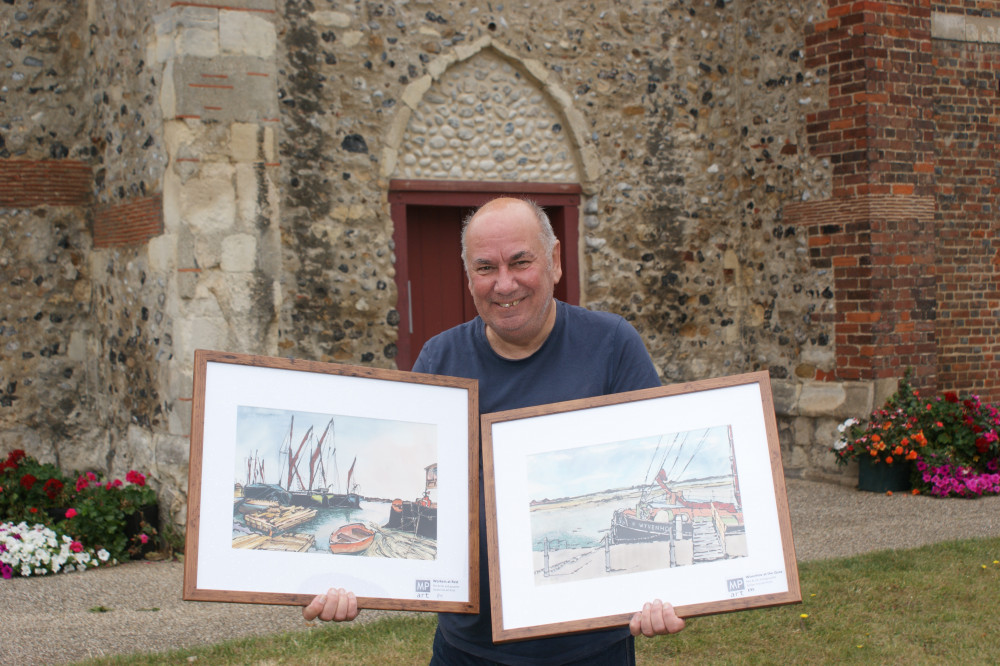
<point>505,282</point>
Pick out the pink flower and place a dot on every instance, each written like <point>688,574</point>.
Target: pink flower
<point>143,538</point>
<point>81,483</point>
<point>76,547</point>
<point>70,513</point>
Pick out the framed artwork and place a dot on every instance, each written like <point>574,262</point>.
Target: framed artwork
<point>307,475</point>
<point>599,505</point>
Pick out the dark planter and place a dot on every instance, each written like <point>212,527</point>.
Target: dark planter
<point>878,477</point>
<point>144,521</point>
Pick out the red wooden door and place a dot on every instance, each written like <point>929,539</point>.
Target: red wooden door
<point>437,297</point>
<point>430,278</point>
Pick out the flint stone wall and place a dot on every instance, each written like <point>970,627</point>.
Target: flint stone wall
<point>271,130</point>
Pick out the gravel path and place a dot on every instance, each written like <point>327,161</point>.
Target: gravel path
<point>49,620</point>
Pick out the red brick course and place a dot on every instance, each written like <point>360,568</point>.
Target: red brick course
<point>30,183</point>
<point>133,222</point>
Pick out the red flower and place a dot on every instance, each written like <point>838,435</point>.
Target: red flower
<point>33,510</point>
<point>951,396</point>
<point>70,513</point>
<point>81,483</point>
<point>138,478</point>
<point>28,481</point>
<point>14,457</point>
<point>76,547</point>
<point>52,487</point>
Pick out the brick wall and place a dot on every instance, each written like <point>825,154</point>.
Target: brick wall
<point>967,119</point>
<point>877,130</point>
<point>876,233</point>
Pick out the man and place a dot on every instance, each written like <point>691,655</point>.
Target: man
<point>525,349</point>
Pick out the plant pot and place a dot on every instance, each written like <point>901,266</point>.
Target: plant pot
<point>134,525</point>
<point>878,477</point>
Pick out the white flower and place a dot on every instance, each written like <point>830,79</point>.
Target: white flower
<point>103,555</point>
<point>845,425</point>
<point>839,444</point>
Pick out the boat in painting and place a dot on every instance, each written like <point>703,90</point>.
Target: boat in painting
<point>714,528</point>
<point>351,539</point>
<point>307,488</point>
<point>418,516</point>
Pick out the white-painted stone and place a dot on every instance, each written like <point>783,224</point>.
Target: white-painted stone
<point>246,33</point>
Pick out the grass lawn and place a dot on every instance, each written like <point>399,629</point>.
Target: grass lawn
<point>931,605</point>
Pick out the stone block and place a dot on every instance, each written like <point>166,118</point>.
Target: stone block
<point>239,253</point>
<point>859,400</point>
<point>226,88</point>
<point>243,145</point>
<point>197,42</point>
<point>982,29</point>
<point>821,399</point>
<point>415,91</point>
<point>162,252</point>
<point>332,19</point>
<point>785,396</point>
<point>246,33</point>
<point>208,202</point>
<point>173,449</point>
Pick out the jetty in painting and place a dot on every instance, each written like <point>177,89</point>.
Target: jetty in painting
<point>303,508</point>
<point>686,514</point>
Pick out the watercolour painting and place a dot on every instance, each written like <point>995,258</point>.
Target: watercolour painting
<point>639,505</point>
<point>319,483</point>
<point>596,506</point>
<point>307,475</point>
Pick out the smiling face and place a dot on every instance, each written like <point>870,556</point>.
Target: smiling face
<point>511,276</point>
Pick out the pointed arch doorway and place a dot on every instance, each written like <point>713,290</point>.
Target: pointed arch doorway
<point>427,225</point>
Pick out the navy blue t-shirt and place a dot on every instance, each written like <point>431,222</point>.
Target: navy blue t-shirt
<point>587,354</point>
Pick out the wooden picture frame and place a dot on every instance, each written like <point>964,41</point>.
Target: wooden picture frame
<point>598,505</point>
<point>267,521</point>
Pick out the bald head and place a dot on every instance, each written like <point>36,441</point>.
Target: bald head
<point>545,233</point>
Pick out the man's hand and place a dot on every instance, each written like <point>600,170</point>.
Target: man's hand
<point>336,605</point>
<point>655,618</point>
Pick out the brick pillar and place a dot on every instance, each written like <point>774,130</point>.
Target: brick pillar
<point>877,232</point>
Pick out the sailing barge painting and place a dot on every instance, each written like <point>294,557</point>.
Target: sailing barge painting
<point>290,495</point>
<point>666,501</point>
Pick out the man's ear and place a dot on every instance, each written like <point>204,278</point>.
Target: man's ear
<point>556,262</point>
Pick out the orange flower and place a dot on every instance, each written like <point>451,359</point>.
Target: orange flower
<point>912,455</point>
<point>889,493</point>
<point>898,451</point>
<point>888,460</point>
<point>876,438</point>
<point>915,491</point>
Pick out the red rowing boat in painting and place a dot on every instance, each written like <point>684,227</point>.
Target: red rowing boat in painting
<point>351,539</point>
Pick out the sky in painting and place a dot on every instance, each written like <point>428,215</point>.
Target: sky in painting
<point>391,455</point>
<point>687,455</point>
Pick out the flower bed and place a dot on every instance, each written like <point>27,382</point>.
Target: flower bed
<point>44,512</point>
<point>952,443</point>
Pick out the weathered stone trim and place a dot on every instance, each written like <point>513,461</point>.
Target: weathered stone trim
<point>535,72</point>
<point>30,183</point>
<point>131,223</point>
<point>963,28</point>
